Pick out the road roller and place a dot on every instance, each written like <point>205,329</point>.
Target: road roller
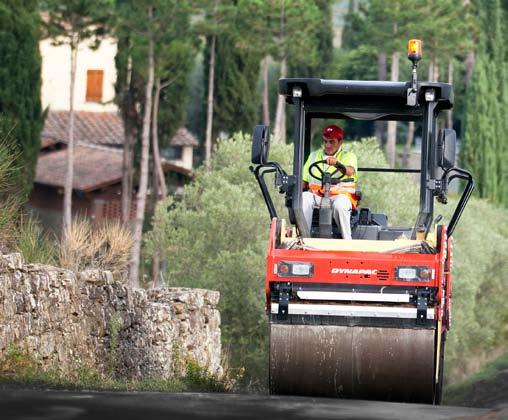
<point>366,317</point>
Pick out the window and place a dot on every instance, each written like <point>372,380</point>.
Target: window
<point>174,152</point>
<point>94,85</point>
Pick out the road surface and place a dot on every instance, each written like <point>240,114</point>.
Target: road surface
<point>21,404</point>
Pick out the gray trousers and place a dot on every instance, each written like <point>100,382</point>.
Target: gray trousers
<point>341,210</point>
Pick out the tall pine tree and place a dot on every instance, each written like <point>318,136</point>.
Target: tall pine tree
<point>236,96</point>
<point>485,136</point>
<point>20,81</point>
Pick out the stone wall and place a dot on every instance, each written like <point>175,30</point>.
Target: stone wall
<point>68,319</point>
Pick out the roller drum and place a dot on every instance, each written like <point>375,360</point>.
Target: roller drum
<point>392,364</point>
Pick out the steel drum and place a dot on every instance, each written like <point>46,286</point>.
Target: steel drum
<point>392,364</point>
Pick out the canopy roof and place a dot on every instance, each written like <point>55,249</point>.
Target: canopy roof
<point>368,100</point>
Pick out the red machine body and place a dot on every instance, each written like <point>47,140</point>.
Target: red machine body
<point>365,268</point>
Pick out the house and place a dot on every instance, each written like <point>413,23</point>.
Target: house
<point>98,135</point>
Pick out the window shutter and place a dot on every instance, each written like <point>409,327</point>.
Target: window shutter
<point>94,85</point>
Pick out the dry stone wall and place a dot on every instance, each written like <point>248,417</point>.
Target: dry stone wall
<point>66,320</point>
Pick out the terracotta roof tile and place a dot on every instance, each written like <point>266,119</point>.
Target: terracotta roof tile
<point>183,137</point>
<point>97,154</point>
<point>103,128</point>
<point>94,167</point>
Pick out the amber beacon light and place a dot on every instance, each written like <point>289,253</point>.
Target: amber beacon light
<point>414,49</point>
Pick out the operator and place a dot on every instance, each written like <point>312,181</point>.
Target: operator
<point>342,194</point>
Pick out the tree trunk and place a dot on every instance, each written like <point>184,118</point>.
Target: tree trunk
<point>280,114</point>
<point>279,131</point>
<point>69,174</point>
<point>161,181</point>
<point>409,141</point>
<point>156,269</point>
<point>469,65</point>
<point>266,98</point>
<point>129,116</point>
<point>431,71</point>
<point>143,179</point>
<point>127,171</point>
<point>381,73</point>
<point>391,137</point>
<point>449,114</point>
<point>209,105</point>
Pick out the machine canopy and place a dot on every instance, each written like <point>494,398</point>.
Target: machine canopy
<point>364,100</point>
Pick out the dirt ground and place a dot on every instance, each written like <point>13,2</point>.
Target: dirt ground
<point>492,393</point>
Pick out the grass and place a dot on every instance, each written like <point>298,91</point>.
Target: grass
<point>106,248</point>
<point>19,368</point>
<point>35,245</point>
<point>467,391</point>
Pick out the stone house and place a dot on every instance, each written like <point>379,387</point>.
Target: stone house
<point>98,134</point>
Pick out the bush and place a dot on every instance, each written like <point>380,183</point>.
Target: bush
<point>10,202</point>
<point>215,238</point>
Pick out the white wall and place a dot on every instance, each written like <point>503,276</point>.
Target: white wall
<point>56,75</point>
<point>187,158</point>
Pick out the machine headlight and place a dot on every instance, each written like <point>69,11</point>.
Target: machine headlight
<point>414,273</point>
<point>294,269</point>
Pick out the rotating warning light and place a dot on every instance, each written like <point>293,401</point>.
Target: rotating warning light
<point>414,50</point>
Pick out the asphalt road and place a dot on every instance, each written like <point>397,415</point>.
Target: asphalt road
<point>62,405</point>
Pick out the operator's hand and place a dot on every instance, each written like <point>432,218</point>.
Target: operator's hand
<point>331,160</point>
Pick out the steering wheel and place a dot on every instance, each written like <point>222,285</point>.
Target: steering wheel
<point>339,168</point>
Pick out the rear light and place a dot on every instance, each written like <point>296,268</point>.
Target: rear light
<point>294,269</point>
<point>414,273</point>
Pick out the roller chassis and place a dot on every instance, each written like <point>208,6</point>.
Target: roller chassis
<point>352,323</point>
<point>358,299</point>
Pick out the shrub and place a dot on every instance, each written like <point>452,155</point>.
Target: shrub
<point>215,238</point>
<point>10,202</point>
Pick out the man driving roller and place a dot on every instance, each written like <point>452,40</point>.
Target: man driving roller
<point>342,194</point>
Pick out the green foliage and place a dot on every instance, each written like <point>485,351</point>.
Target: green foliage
<point>114,325</point>
<point>471,392</point>
<point>199,378</point>
<point>216,238</point>
<point>381,191</point>
<point>17,231</point>
<point>322,66</point>
<point>20,80</point>
<point>175,48</point>
<point>280,28</point>
<point>10,199</point>
<point>485,147</point>
<point>356,64</point>
<point>34,244</point>
<point>72,22</point>
<point>236,98</point>
<point>19,367</point>
<point>479,290</point>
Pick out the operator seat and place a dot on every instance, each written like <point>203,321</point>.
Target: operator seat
<point>314,229</point>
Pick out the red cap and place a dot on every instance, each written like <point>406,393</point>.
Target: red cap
<point>333,132</point>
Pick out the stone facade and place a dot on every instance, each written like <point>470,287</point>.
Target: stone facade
<point>68,319</point>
